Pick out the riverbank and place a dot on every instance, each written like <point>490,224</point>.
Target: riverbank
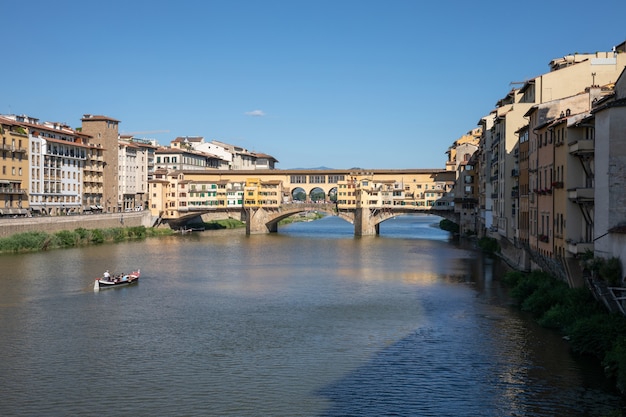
<point>52,224</point>
<point>573,312</point>
<point>34,241</point>
<point>41,241</point>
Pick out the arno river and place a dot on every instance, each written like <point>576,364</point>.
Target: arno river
<point>307,322</point>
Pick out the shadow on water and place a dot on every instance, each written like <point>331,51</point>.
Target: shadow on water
<point>421,375</point>
<point>477,337</point>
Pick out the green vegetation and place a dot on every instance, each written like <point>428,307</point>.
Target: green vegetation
<point>218,224</point>
<point>38,241</point>
<point>589,327</point>
<point>312,215</point>
<point>608,270</point>
<point>489,244</point>
<point>318,195</point>
<point>449,226</point>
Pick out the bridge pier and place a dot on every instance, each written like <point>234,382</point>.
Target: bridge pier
<point>259,221</point>
<point>365,224</point>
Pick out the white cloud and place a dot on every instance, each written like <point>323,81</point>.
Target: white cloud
<point>255,113</point>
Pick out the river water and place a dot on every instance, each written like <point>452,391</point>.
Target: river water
<point>310,321</point>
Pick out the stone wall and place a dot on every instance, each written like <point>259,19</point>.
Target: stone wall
<point>11,226</point>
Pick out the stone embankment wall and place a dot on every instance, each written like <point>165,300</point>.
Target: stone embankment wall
<point>52,224</point>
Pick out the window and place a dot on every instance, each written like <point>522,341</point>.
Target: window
<point>298,179</point>
<point>334,179</point>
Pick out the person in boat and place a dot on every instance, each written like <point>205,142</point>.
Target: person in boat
<point>106,275</point>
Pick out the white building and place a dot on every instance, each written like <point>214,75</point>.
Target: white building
<point>56,161</point>
<point>610,175</point>
<point>133,175</point>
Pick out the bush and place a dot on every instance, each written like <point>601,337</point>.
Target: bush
<point>25,242</point>
<point>118,234</point>
<point>449,226</point>
<point>83,234</point>
<point>489,244</point>
<point>611,271</point>
<point>548,294</point>
<point>595,335</point>
<point>223,224</point>
<point>557,317</point>
<point>590,328</point>
<point>66,239</point>
<point>97,236</point>
<point>137,232</point>
<point>36,241</point>
<point>577,303</point>
<point>615,363</point>
<point>511,278</point>
<point>527,285</point>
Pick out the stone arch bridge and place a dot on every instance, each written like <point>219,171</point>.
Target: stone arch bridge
<point>366,220</point>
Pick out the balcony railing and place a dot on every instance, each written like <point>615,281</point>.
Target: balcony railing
<point>9,190</point>
<point>581,147</point>
<point>580,194</point>
<point>579,247</point>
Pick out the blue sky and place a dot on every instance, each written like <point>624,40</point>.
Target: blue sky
<point>340,83</point>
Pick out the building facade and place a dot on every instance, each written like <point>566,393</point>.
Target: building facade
<point>103,133</point>
<point>14,171</point>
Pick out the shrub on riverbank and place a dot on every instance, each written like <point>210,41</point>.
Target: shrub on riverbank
<point>218,224</point>
<point>37,241</point>
<point>449,226</point>
<point>310,216</point>
<point>589,327</point>
<point>489,245</point>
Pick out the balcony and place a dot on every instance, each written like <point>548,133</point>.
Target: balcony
<point>580,194</point>
<point>12,190</point>
<point>12,148</point>
<point>581,147</point>
<point>579,247</point>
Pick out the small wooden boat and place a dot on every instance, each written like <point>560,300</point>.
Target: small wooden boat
<point>112,281</point>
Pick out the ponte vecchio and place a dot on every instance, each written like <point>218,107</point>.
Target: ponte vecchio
<point>261,198</point>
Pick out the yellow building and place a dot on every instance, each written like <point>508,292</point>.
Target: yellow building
<point>14,176</point>
<point>262,193</point>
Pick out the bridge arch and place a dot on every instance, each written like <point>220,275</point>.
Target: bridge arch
<point>332,194</point>
<point>264,220</point>
<point>366,221</point>
<point>299,194</point>
<point>317,194</point>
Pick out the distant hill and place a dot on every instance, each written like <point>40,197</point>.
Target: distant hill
<point>314,168</point>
